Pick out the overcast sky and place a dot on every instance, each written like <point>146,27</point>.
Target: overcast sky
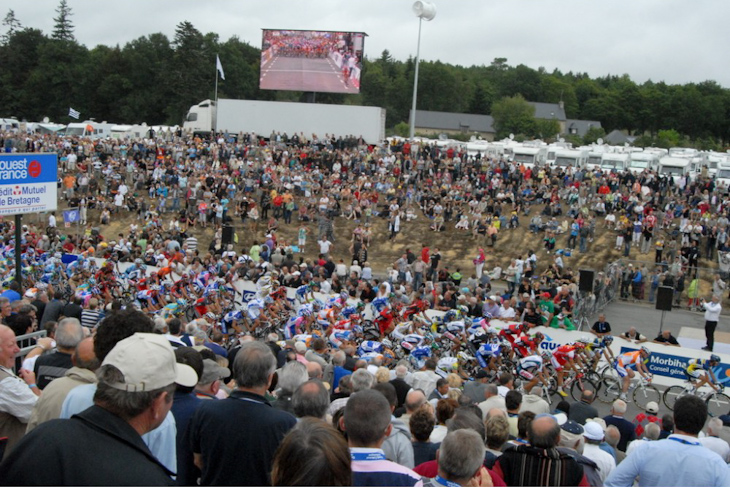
<point>677,41</point>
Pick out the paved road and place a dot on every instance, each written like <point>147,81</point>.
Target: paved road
<point>303,74</point>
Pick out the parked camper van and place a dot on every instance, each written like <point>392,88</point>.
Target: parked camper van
<point>530,156</point>
<point>675,167</point>
<point>639,161</point>
<point>722,178</point>
<point>89,128</point>
<point>615,161</point>
<point>576,158</point>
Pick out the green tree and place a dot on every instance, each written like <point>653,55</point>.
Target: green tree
<point>13,25</point>
<point>513,115</point>
<point>593,134</point>
<point>546,128</point>
<point>63,30</point>
<point>668,138</point>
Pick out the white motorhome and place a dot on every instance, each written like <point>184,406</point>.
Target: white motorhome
<point>530,156</point>
<point>552,151</point>
<point>722,178</point>
<point>9,124</point>
<point>639,161</point>
<point>89,128</point>
<point>675,167</point>
<point>712,161</point>
<point>615,161</point>
<point>576,158</point>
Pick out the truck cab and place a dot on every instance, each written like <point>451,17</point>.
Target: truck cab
<point>200,118</point>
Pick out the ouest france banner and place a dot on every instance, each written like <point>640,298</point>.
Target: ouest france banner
<point>28,183</point>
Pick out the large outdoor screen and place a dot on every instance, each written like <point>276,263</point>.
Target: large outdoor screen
<point>310,60</point>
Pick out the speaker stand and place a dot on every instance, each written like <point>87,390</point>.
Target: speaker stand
<point>661,324</point>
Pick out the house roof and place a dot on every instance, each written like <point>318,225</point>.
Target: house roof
<point>618,138</point>
<point>467,122</point>
<point>548,111</point>
<point>581,126</point>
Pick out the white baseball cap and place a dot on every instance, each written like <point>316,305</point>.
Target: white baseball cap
<point>593,431</point>
<point>147,362</point>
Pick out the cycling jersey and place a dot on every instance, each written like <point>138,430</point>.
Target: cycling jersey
<point>293,326</point>
<point>456,327</point>
<point>447,365</point>
<point>379,304</point>
<point>255,308</point>
<point>629,359</point>
<point>527,367</point>
<point>370,346</point>
<point>561,356</point>
<point>486,351</point>
<point>696,366</point>
<point>525,346</point>
<point>338,337</point>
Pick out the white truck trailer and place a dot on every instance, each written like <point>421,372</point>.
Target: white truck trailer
<point>264,117</point>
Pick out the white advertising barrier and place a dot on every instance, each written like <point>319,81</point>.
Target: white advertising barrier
<point>28,183</point>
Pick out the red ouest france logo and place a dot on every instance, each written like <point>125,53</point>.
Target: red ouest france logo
<point>34,169</point>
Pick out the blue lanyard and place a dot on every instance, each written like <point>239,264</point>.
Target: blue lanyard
<point>440,480</point>
<point>686,442</point>
<point>367,456</point>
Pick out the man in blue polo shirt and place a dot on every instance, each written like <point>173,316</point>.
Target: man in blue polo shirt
<point>234,440</point>
<point>367,423</point>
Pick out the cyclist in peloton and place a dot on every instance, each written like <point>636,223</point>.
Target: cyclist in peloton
<point>701,370</point>
<point>625,364</point>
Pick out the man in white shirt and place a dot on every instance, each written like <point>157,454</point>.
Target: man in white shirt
<point>713,440</point>
<point>18,395</point>
<point>593,434</point>
<point>426,379</point>
<point>492,400</point>
<point>712,316</point>
<point>324,245</point>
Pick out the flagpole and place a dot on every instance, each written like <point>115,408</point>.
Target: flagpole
<point>215,116</point>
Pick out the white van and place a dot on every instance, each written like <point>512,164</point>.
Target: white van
<point>530,156</point>
<point>574,158</point>
<point>639,161</point>
<point>89,128</point>
<point>722,177</point>
<point>675,167</point>
<point>615,161</point>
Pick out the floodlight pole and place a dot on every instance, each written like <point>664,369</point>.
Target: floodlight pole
<point>415,82</point>
<point>18,253</point>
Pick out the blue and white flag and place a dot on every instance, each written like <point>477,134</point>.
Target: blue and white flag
<point>71,216</point>
<point>73,113</point>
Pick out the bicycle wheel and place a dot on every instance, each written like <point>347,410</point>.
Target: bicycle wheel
<point>718,404</point>
<point>580,385</point>
<point>609,391</point>
<point>672,394</point>
<point>644,395</point>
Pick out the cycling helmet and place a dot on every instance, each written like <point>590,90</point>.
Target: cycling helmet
<point>645,349</point>
<point>538,336</point>
<point>714,358</point>
<point>387,343</point>
<point>210,315</point>
<point>546,356</point>
<point>608,339</point>
<point>138,261</point>
<point>306,312</point>
<point>344,295</point>
<point>584,341</point>
<point>182,302</point>
<point>464,309</point>
<point>579,345</point>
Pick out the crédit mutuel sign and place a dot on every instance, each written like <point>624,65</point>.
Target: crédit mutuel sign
<point>28,183</point>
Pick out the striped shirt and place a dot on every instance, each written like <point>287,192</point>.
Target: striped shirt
<point>90,317</point>
<point>192,243</point>
<point>370,468</point>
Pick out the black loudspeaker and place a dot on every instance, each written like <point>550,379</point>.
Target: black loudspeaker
<point>664,298</point>
<point>227,237</point>
<point>585,283</point>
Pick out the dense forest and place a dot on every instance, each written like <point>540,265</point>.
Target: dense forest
<point>155,79</point>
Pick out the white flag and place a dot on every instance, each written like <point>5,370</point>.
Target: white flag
<point>73,113</point>
<point>219,66</point>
